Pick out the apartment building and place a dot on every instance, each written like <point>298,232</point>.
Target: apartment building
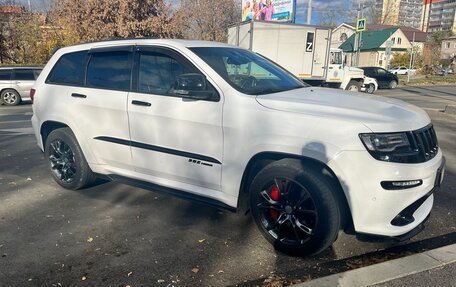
<point>439,15</point>
<point>399,12</point>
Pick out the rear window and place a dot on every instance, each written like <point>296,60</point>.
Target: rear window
<point>110,70</point>
<point>69,70</point>
<point>24,75</point>
<point>5,75</point>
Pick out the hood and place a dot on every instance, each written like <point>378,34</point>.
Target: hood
<point>379,114</point>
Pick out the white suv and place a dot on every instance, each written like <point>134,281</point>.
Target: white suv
<point>222,125</point>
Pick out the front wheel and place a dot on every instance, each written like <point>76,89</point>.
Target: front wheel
<point>67,163</point>
<point>370,89</point>
<point>353,86</point>
<point>295,208</point>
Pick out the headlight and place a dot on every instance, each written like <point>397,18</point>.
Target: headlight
<point>393,147</point>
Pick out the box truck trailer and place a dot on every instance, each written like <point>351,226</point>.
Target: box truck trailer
<point>301,49</point>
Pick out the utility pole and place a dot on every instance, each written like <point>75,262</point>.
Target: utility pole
<point>30,5</point>
<point>309,13</point>
<point>411,59</point>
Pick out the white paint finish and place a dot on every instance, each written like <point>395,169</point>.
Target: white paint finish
<point>379,114</point>
<point>318,123</point>
<point>182,125</point>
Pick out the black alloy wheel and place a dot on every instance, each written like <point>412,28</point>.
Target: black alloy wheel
<point>67,163</point>
<point>295,207</point>
<point>62,161</point>
<point>287,211</point>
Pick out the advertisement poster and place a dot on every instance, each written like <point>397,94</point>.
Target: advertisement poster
<point>267,10</point>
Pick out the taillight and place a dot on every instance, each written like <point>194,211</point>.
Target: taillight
<point>32,94</point>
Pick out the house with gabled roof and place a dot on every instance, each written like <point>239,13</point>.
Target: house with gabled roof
<point>374,46</point>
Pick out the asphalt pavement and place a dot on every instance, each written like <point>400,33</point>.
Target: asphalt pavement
<point>117,235</point>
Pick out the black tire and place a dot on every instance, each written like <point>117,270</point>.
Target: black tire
<point>67,163</point>
<point>370,89</point>
<point>10,97</point>
<point>306,219</point>
<point>353,86</point>
<point>392,84</point>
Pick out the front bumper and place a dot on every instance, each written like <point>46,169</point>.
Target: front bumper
<point>375,210</point>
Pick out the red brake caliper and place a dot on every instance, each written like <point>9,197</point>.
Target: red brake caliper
<point>275,195</point>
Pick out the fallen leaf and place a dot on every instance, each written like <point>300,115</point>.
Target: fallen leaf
<point>195,270</point>
<point>83,278</point>
<point>201,240</point>
<point>90,239</point>
<point>220,271</point>
<point>160,281</point>
<point>129,273</point>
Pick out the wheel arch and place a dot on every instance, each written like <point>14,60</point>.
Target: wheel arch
<point>260,160</point>
<point>47,127</point>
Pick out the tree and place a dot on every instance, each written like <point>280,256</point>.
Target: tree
<point>20,37</point>
<point>208,19</point>
<point>91,20</point>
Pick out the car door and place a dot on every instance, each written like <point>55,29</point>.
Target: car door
<point>23,80</point>
<point>175,140</point>
<point>94,86</point>
<point>383,77</point>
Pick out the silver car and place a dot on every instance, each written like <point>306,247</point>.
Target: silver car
<point>15,84</point>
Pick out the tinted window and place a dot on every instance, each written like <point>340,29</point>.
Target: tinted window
<point>381,72</point>
<point>158,73</point>
<point>109,70</point>
<point>23,75</point>
<point>69,69</point>
<point>5,75</point>
<point>248,72</point>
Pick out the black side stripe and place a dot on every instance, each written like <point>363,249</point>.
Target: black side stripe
<point>159,149</point>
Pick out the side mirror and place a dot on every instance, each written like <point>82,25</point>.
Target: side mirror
<point>192,86</point>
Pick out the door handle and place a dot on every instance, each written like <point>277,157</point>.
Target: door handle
<point>75,95</point>
<point>141,103</point>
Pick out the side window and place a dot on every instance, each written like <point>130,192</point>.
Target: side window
<point>5,75</point>
<point>69,70</point>
<point>23,75</point>
<point>110,70</point>
<point>381,72</point>
<point>158,74</point>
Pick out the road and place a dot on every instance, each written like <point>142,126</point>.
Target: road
<point>117,235</point>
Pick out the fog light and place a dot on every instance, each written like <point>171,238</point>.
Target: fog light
<point>404,184</point>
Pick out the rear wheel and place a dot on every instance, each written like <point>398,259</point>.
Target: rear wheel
<point>67,163</point>
<point>295,208</point>
<point>10,97</point>
<point>353,86</point>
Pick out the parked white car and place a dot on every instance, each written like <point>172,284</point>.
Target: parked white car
<point>15,84</point>
<point>401,70</point>
<point>194,119</point>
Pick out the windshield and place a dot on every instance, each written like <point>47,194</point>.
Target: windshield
<point>248,72</point>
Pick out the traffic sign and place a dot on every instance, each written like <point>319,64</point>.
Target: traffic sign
<point>361,25</point>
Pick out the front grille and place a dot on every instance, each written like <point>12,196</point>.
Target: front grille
<point>424,141</point>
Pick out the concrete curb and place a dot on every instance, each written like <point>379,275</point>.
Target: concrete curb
<point>387,271</point>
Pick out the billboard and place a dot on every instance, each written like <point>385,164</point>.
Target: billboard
<point>267,10</point>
